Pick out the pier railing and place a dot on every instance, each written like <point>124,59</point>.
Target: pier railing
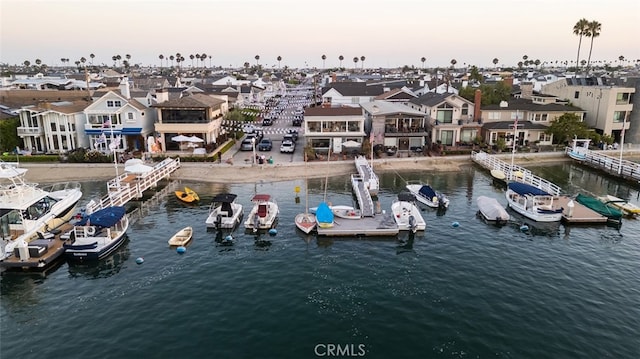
<point>128,186</point>
<point>515,172</point>
<point>365,201</point>
<point>612,165</point>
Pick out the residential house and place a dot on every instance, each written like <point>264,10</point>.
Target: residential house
<point>533,118</point>
<point>197,114</point>
<point>117,117</point>
<point>50,127</point>
<point>349,94</point>
<point>395,125</point>
<point>607,107</point>
<point>330,127</point>
<point>450,117</point>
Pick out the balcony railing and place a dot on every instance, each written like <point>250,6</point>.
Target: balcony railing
<point>30,131</point>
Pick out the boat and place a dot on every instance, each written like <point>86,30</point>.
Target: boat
<point>427,195</point>
<point>224,212</point>
<point>97,235</point>
<point>498,174</point>
<point>264,213</point>
<point>324,216</point>
<point>595,204</point>
<point>579,149</point>
<point>532,202</point>
<point>182,237</point>
<point>306,222</point>
<point>623,205</point>
<point>407,214</point>
<point>346,212</point>
<point>188,195</point>
<point>30,217</point>
<point>577,155</point>
<point>491,210</point>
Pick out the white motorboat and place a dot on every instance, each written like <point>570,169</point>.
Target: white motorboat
<point>491,210</point>
<point>407,214</point>
<point>97,235</point>
<point>346,212</point>
<point>264,213</point>
<point>224,212</point>
<point>427,195</point>
<point>533,203</point>
<point>29,213</point>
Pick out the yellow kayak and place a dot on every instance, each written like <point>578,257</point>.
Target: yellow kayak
<point>188,195</point>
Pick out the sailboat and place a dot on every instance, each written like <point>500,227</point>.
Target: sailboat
<point>306,222</point>
<point>324,214</point>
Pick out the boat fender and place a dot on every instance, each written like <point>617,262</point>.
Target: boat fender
<point>91,230</point>
<point>434,199</point>
<point>181,249</point>
<point>524,228</point>
<point>273,232</point>
<point>455,224</point>
<point>139,260</point>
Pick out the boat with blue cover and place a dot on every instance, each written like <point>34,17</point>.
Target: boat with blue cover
<point>533,203</point>
<point>97,235</point>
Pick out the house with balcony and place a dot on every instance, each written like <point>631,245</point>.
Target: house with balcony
<point>330,127</point>
<point>194,115</point>
<point>607,108</point>
<point>349,94</point>
<point>449,116</point>
<point>396,126</point>
<point>51,127</point>
<point>533,117</point>
<point>116,116</point>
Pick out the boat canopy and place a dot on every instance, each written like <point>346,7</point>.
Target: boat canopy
<point>324,214</point>
<point>526,189</point>
<point>225,197</point>
<point>427,191</point>
<point>105,217</point>
<point>261,198</point>
<point>406,196</point>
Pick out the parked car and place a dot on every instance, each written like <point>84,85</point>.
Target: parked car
<point>293,134</point>
<point>287,146</point>
<point>265,144</point>
<point>246,144</point>
<point>267,121</point>
<point>297,120</point>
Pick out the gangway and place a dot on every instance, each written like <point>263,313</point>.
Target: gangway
<point>128,186</point>
<point>514,172</point>
<point>369,177</point>
<point>365,202</point>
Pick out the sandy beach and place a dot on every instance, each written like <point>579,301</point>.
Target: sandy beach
<point>246,173</point>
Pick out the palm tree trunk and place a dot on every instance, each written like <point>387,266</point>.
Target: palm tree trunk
<point>589,58</point>
<point>578,57</point>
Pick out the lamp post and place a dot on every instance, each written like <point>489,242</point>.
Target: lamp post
<point>253,147</point>
<point>624,123</point>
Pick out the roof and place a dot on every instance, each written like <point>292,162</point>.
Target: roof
<point>431,99</point>
<point>508,125</point>
<point>333,111</point>
<point>526,189</point>
<point>390,108</point>
<point>528,105</point>
<point>354,89</point>
<point>225,197</point>
<point>192,101</point>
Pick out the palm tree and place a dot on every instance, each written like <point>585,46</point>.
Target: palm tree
<point>27,63</point>
<point>209,60</point>
<point>324,57</point>
<point>192,56</point>
<point>355,62</point>
<point>246,65</point>
<point>92,56</point>
<point>593,31</point>
<point>118,57</point>
<point>423,59</point>
<point>161,57</point>
<point>171,58</point>
<point>620,59</point>
<point>580,29</point>
<point>279,59</point>
<point>203,57</point>
<point>114,58</point>
<point>495,61</point>
<point>536,62</point>
<point>340,58</point>
<point>257,57</point>
<point>453,63</point>
<point>128,57</point>
<point>362,58</point>
<point>83,60</point>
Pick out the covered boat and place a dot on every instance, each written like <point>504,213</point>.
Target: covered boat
<point>621,204</point>
<point>425,194</point>
<point>532,202</point>
<point>324,215</point>
<point>224,212</point>
<point>491,210</point>
<point>595,204</point>
<point>97,235</point>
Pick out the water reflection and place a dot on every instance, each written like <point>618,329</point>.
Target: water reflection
<point>103,268</point>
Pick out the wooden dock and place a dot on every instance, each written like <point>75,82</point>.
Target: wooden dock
<point>611,165</point>
<point>581,214</point>
<point>128,186</point>
<point>378,225</point>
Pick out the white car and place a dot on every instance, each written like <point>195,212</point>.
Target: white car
<point>287,147</point>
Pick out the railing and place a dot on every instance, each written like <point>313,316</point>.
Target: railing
<point>30,131</point>
<point>514,172</point>
<point>366,172</point>
<point>612,165</point>
<point>362,194</point>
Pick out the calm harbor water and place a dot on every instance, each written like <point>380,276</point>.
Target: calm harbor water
<point>469,291</point>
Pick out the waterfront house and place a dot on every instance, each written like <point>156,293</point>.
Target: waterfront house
<point>330,127</point>
<point>352,94</point>
<point>396,126</point>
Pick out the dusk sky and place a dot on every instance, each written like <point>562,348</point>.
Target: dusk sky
<point>388,33</point>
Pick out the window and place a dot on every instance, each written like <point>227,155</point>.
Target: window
<point>130,117</point>
<point>446,137</point>
<point>619,116</point>
<point>544,137</point>
<point>112,103</point>
<point>494,116</point>
<point>465,109</point>
<point>622,98</point>
<point>540,117</point>
<point>576,94</point>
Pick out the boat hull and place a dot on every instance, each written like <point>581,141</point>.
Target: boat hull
<point>306,222</point>
<point>407,216</point>
<point>182,237</point>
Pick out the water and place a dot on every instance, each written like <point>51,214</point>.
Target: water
<point>472,291</point>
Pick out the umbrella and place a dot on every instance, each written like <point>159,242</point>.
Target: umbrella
<point>194,139</point>
<point>133,161</point>
<point>350,143</point>
<point>138,168</point>
<point>180,138</point>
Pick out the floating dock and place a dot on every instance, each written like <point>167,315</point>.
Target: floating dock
<point>514,172</point>
<point>378,225</point>
<point>580,214</point>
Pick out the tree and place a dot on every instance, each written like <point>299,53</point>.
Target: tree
<point>453,63</point>
<point>279,59</point>
<point>192,56</point>
<point>9,134</point>
<point>114,58</point>
<point>203,57</point>
<point>27,63</point>
<point>83,60</point>
<point>171,58</point>
<point>620,59</point>
<point>355,61</point>
<point>593,31</point>
<point>566,127</point>
<point>495,62</point>
<point>324,57</point>
<point>92,56</point>
<point>340,58</point>
<point>362,58</point>
<point>118,57</point>
<point>257,57</point>
<point>475,74</point>
<point>161,57</point>
<point>580,29</point>
<point>423,59</point>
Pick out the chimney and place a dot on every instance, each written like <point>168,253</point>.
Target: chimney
<point>162,95</point>
<point>124,88</point>
<point>526,90</point>
<point>334,77</point>
<point>477,103</point>
<point>508,81</point>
